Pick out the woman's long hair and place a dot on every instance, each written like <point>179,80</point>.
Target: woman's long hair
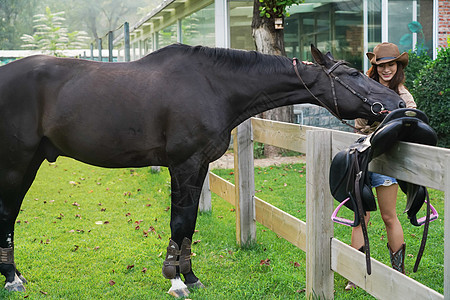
<point>399,77</point>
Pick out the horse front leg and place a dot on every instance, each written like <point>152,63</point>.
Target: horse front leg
<point>187,181</point>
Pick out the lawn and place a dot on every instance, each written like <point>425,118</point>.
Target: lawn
<point>91,233</point>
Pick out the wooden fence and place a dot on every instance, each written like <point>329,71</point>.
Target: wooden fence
<point>425,165</point>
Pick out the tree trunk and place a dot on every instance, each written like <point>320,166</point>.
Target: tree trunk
<point>269,40</point>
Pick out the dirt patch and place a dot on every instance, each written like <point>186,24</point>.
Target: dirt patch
<point>227,161</point>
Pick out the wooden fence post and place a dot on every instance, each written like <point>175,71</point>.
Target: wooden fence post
<point>126,40</point>
<point>319,207</point>
<point>110,46</point>
<point>92,51</point>
<point>100,48</point>
<point>447,229</point>
<point>245,184</point>
<point>205,196</point>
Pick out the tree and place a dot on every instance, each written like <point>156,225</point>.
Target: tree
<point>269,39</point>
<point>52,35</point>
<point>15,18</point>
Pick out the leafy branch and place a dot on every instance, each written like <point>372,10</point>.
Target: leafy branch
<point>50,34</point>
<point>276,8</point>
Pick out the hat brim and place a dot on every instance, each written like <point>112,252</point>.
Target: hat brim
<point>402,58</point>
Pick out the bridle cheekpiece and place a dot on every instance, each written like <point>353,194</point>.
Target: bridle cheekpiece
<point>334,78</point>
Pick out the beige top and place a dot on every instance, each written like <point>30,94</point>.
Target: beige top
<point>362,124</point>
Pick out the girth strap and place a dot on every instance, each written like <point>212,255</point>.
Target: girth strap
<point>361,213</point>
<point>425,234</point>
<point>7,255</point>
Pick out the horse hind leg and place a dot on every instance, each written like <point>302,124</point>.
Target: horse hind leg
<point>13,187</point>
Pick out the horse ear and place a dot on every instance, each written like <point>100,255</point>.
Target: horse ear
<point>329,55</point>
<point>318,56</point>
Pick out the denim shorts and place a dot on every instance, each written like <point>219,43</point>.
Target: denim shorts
<point>377,180</point>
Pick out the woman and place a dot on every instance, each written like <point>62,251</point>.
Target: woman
<point>387,68</point>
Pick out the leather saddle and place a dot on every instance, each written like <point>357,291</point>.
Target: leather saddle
<point>349,175</point>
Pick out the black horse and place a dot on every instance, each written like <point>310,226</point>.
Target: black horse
<point>175,107</point>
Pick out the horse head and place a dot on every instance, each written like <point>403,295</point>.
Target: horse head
<point>352,94</point>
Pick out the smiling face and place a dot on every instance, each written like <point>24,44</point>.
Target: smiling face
<point>386,72</point>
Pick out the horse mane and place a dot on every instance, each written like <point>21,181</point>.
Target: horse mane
<point>237,60</point>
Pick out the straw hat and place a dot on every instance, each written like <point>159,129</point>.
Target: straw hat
<point>386,52</point>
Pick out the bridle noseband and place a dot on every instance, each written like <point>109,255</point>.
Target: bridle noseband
<point>334,78</point>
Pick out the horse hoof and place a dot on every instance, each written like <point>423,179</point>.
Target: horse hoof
<point>24,281</point>
<point>179,292</point>
<point>14,286</point>
<point>195,285</point>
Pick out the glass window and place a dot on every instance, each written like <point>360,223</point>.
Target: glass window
<point>241,13</point>
<point>411,25</point>
<point>148,45</point>
<point>198,28</point>
<point>331,26</point>
<point>400,14</point>
<point>167,36</point>
<point>373,23</point>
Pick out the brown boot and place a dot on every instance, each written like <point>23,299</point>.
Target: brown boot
<point>350,285</point>
<point>398,258</point>
<point>171,262</point>
<point>185,256</point>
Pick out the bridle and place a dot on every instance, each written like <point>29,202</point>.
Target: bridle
<point>334,78</point>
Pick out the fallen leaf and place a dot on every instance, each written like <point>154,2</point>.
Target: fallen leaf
<point>196,242</point>
<point>129,267</point>
<point>112,282</point>
<point>264,262</point>
<point>44,293</point>
<point>75,204</point>
<point>144,270</point>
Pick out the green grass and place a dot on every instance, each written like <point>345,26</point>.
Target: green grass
<point>65,253</point>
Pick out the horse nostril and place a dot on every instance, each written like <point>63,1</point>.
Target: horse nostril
<point>402,104</point>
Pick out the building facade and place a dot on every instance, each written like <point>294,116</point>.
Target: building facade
<point>346,28</point>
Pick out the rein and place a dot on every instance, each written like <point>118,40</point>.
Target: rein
<point>333,78</point>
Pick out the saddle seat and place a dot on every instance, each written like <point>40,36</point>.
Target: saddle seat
<point>349,175</point>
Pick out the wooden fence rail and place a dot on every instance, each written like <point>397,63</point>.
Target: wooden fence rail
<point>425,165</point>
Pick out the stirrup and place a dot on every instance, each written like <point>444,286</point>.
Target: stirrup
<point>434,216</point>
<point>340,220</point>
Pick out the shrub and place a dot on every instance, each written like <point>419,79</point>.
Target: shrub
<point>431,91</point>
<point>416,63</point>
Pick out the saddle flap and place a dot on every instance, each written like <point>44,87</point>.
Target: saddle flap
<point>343,175</point>
<point>415,198</point>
